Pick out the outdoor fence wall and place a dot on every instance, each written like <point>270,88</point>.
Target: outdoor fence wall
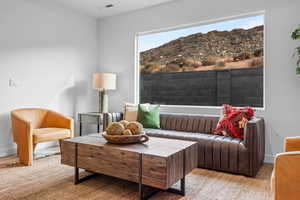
<point>238,87</point>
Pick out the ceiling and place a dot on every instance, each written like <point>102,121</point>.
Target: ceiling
<point>97,8</point>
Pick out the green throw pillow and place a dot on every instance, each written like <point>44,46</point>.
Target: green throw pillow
<point>149,117</point>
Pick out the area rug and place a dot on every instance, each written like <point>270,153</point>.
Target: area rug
<point>47,179</point>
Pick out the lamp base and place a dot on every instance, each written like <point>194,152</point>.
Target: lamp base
<point>103,101</point>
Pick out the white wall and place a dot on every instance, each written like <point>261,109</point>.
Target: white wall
<point>51,52</point>
<point>282,85</point>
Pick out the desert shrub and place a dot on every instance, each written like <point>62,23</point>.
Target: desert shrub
<point>150,69</point>
<point>177,61</point>
<point>142,68</point>
<point>210,60</point>
<point>242,56</point>
<point>167,52</point>
<point>182,62</point>
<point>258,52</point>
<point>190,62</point>
<point>185,62</point>
<point>228,59</point>
<point>220,64</point>
<point>196,64</point>
<point>171,68</point>
<point>153,58</point>
<point>187,69</point>
<point>256,62</point>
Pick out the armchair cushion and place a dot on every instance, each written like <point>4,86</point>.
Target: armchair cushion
<point>57,120</point>
<point>49,134</point>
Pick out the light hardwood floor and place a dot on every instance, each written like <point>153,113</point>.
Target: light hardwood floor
<point>47,179</point>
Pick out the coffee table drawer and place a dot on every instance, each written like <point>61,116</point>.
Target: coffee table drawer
<point>163,172</point>
<point>67,150</point>
<point>108,161</point>
<point>154,170</point>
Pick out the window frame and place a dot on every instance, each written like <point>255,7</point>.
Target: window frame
<point>205,22</point>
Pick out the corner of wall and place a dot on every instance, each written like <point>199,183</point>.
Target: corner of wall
<point>269,158</point>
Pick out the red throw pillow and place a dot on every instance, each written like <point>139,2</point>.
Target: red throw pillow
<point>233,122</point>
<point>227,109</point>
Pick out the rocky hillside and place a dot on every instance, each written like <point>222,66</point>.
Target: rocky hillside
<point>200,49</point>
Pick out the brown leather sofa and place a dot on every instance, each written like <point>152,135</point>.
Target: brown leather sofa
<point>215,152</point>
<point>285,178</point>
<point>31,126</point>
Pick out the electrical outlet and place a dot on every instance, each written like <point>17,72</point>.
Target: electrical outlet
<point>12,83</point>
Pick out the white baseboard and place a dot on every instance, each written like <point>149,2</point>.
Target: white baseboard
<point>269,158</point>
<point>8,151</point>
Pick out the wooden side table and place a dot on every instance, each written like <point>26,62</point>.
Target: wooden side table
<point>90,118</point>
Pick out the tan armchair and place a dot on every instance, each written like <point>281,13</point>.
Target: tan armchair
<point>31,126</point>
<point>285,181</point>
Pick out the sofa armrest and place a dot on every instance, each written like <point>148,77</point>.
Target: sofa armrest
<point>286,177</point>
<point>254,132</point>
<point>111,117</point>
<point>292,144</point>
<point>254,141</point>
<point>57,120</point>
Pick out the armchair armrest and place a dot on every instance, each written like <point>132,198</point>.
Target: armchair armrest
<point>286,177</point>
<point>57,120</point>
<point>21,127</point>
<point>292,144</point>
<point>22,134</point>
<point>111,117</point>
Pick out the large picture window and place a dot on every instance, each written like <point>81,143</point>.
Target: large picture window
<point>204,65</point>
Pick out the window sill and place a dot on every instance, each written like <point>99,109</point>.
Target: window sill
<point>205,107</point>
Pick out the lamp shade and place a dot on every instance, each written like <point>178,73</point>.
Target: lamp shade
<point>105,81</point>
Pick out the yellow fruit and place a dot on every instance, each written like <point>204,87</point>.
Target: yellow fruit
<point>115,128</point>
<point>136,128</point>
<point>127,132</point>
<point>124,122</point>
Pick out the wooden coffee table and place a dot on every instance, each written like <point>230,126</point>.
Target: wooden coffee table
<point>158,163</point>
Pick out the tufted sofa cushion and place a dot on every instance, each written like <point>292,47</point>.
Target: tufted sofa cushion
<point>188,122</point>
<point>214,151</point>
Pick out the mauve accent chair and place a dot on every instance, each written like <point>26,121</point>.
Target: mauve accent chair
<point>31,126</point>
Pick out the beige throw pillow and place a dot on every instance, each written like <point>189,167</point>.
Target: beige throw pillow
<point>131,111</point>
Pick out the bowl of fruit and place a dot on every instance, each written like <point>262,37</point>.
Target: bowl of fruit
<point>125,132</point>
